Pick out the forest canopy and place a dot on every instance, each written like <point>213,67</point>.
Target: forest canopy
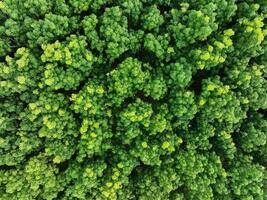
<point>133,99</point>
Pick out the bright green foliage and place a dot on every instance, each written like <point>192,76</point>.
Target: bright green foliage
<point>83,179</point>
<point>48,29</point>
<point>18,73</point>
<point>126,80</point>
<point>189,26</point>
<point>249,82</point>
<point>199,138</point>
<point>133,99</point>
<point>252,33</point>
<point>51,111</point>
<point>246,185</point>
<point>152,19</point>
<point>178,74</point>
<point>114,31</point>
<point>215,53</point>
<point>15,144</point>
<point>135,117</point>
<point>95,128</point>
<point>51,120</point>
<point>156,87</point>
<point>80,6</point>
<point>156,45</point>
<point>36,179</point>
<point>182,106</point>
<point>219,103</point>
<point>132,9</point>
<point>89,25</point>
<point>72,58</point>
<point>225,9</point>
<point>253,135</point>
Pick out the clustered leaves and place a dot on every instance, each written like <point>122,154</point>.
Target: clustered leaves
<point>133,99</point>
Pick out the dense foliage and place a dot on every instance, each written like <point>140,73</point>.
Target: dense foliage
<point>133,99</point>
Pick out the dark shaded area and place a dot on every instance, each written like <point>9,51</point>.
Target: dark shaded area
<point>263,112</point>
<point>72,91</point>
<point>148,99</point>
<point>34,153</point>
<point>117,61</point>
<point>6,167</point>
<point>180,190</point>
<point>197,79</point>
<point>63,166</point>
<point>145,56</point>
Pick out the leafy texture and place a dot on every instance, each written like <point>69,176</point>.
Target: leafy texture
<point>133,99</point>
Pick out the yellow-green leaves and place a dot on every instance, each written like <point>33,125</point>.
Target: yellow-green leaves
<point>255,26</point>
<point>144,145</point>
<point>68,56</point>
<point>49,81</point>
<point>74,55</point>
<point>21,79</point>
<point>218,98</point>
<point>89,100</point>
<point>2,5</point>
<point>133,99</point>
<point>213,54</point>
<point>228,32</point>
<point>165,145</point>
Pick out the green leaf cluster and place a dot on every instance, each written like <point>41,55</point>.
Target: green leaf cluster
<point>133,99</point>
